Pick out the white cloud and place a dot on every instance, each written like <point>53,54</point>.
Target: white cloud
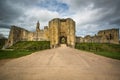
<point>31,16</point>
<point>4,31</point>
<point>89,15</point>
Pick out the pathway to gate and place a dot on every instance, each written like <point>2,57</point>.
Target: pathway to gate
<point>61,63</point>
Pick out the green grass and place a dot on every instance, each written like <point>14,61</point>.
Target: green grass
<point>108,50</point>
<point>31,45</point>
<point>8,54</point>
<point>24,48</point>
<point>113,55</point>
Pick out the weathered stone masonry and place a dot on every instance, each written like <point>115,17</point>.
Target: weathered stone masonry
<point>58,32</point>
<point>62,28</point>
<point>103,36</point>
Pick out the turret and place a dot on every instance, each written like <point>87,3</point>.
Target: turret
<point>37,26</point>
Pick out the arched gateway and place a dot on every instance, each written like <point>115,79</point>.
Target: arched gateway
<point>63,40</point>
<point>62,31</point>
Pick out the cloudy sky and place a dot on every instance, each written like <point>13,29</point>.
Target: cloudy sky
<point>90,15</point>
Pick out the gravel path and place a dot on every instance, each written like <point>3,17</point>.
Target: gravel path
<point>61,63</point>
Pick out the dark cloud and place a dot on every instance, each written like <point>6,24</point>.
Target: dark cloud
<point>12,10</point>
<point>26,3</point>
<point>116,21</point>
<point>8,12</point>
<point>5,26</point>
<point>112,7</point>
<point>109,9</point>
<point>107,15</point>
<point>96,14</point>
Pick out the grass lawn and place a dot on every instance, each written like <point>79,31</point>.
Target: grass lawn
<point>107,50</point>
<point>24,48</point>
<point>113,55</point>
<point>7,54</point>
<point>31,45</point>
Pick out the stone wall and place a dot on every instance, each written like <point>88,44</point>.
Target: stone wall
<point>16,34</point>
<point>109,36</point>
<point>19,34</point>
<point>62,28</point>
<point>53,32</point>
<point>103,36</point>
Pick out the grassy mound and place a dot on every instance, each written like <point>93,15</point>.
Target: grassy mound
<point>23,48</point>
<point>31,45</point>
<point>108,50</point>
<point>8,54</point>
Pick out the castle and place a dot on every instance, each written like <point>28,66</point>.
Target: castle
<point>60,31</point>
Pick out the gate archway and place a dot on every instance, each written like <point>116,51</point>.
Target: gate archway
<point>63,40</point>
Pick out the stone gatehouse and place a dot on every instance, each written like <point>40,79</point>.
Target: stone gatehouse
<point>62,31</point>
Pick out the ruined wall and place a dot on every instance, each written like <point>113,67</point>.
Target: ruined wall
<point>88,39</point>
<point>103,36</point>
<point>79,39</point>
<point>46,33</point>
<point>19,34</point>
<point>16,34</point>
<point>109,36</point>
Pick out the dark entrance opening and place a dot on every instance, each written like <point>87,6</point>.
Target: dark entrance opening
<point>63,40</point>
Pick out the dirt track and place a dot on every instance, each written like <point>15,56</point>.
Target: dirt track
<point>61,63</point>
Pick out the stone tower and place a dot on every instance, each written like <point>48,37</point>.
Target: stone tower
<point>38,27</point>
<point>62,31</point>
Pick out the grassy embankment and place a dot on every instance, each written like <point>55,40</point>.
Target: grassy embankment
<point>24,48</point>
<point>108,50</point>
